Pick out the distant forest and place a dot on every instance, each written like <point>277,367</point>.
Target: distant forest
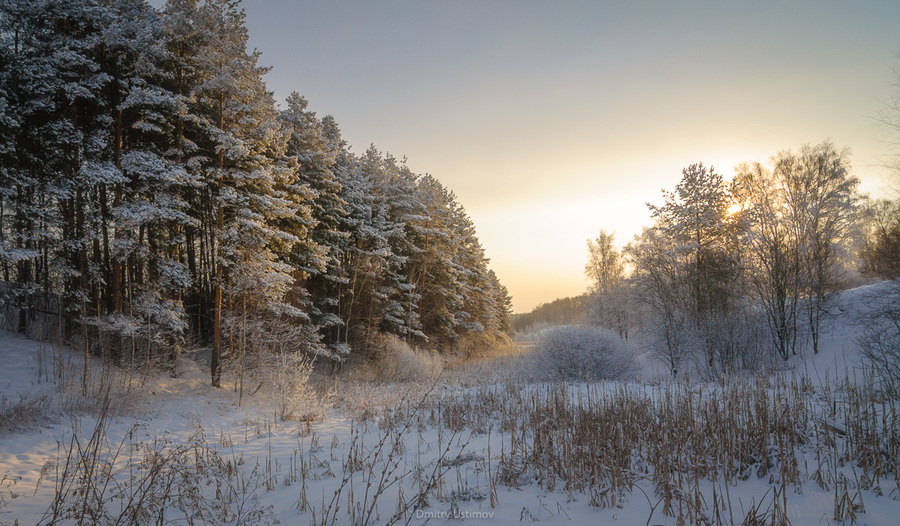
<point>154,197</point>
<point>562,311</point>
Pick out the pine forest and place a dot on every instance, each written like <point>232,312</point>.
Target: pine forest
<point>154,196</point>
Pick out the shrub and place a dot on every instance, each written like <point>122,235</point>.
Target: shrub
<point>396,361</point>
<point>24,414</point>
<point>287,377</point>
<point>734,343</point>
<point>481,345</point>
<point>581,352</point>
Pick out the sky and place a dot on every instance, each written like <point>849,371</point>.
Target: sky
<point>553,119</point>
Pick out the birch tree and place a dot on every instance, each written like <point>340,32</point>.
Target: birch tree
<point>608,295</point>
<point>821,200</point>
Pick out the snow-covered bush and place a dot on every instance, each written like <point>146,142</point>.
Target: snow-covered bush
<point>287,375</point>
<point>581,352</point>
<point>396,361</point>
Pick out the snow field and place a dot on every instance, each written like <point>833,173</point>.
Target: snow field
<point>811,445</point>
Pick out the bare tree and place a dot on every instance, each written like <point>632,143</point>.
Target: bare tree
<point>772,260</point>
<point>801,217</point>
<point>604,267</point>
<point>822,202</point>
<point>889,119</point>
<point>608,297</point>
<point>660,284</point>
<point>880,250</point>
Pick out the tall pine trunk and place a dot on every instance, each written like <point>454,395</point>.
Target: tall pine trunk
<point>215,368</point>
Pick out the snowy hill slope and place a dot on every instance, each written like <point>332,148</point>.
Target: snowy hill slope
<point>839,357</point>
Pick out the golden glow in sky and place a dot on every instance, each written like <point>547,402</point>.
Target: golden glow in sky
<point>552,120</point>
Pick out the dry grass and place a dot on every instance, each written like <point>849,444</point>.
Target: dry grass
<point>692,443</point>
<point>158,482</point>
<point>606,440</point>
<point>679,448</point>
<point>395,361</point>
<point>24,413</point>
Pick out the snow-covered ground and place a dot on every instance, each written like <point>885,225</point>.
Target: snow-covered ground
<point>480,445</point>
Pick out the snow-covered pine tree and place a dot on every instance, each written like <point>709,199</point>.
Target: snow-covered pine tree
<point>404,214</point>
<point>431,269</point>
<point>474,285</point>
<point>60,163</point>
<point>147,212</point>
<point>314,146</point>
<point>231,140</point>
<point>22,46</point>
<point>695,217</point>
<point>150,181</point>
<point>184,38</point>
<point>359,252</point>
<point>459,295</point>
<point>502,314</point>
<point>366,253</point>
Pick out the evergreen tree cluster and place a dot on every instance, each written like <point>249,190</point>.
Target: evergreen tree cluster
<point>149,181</point>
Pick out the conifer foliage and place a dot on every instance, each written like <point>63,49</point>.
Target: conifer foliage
<point>154,190</point>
